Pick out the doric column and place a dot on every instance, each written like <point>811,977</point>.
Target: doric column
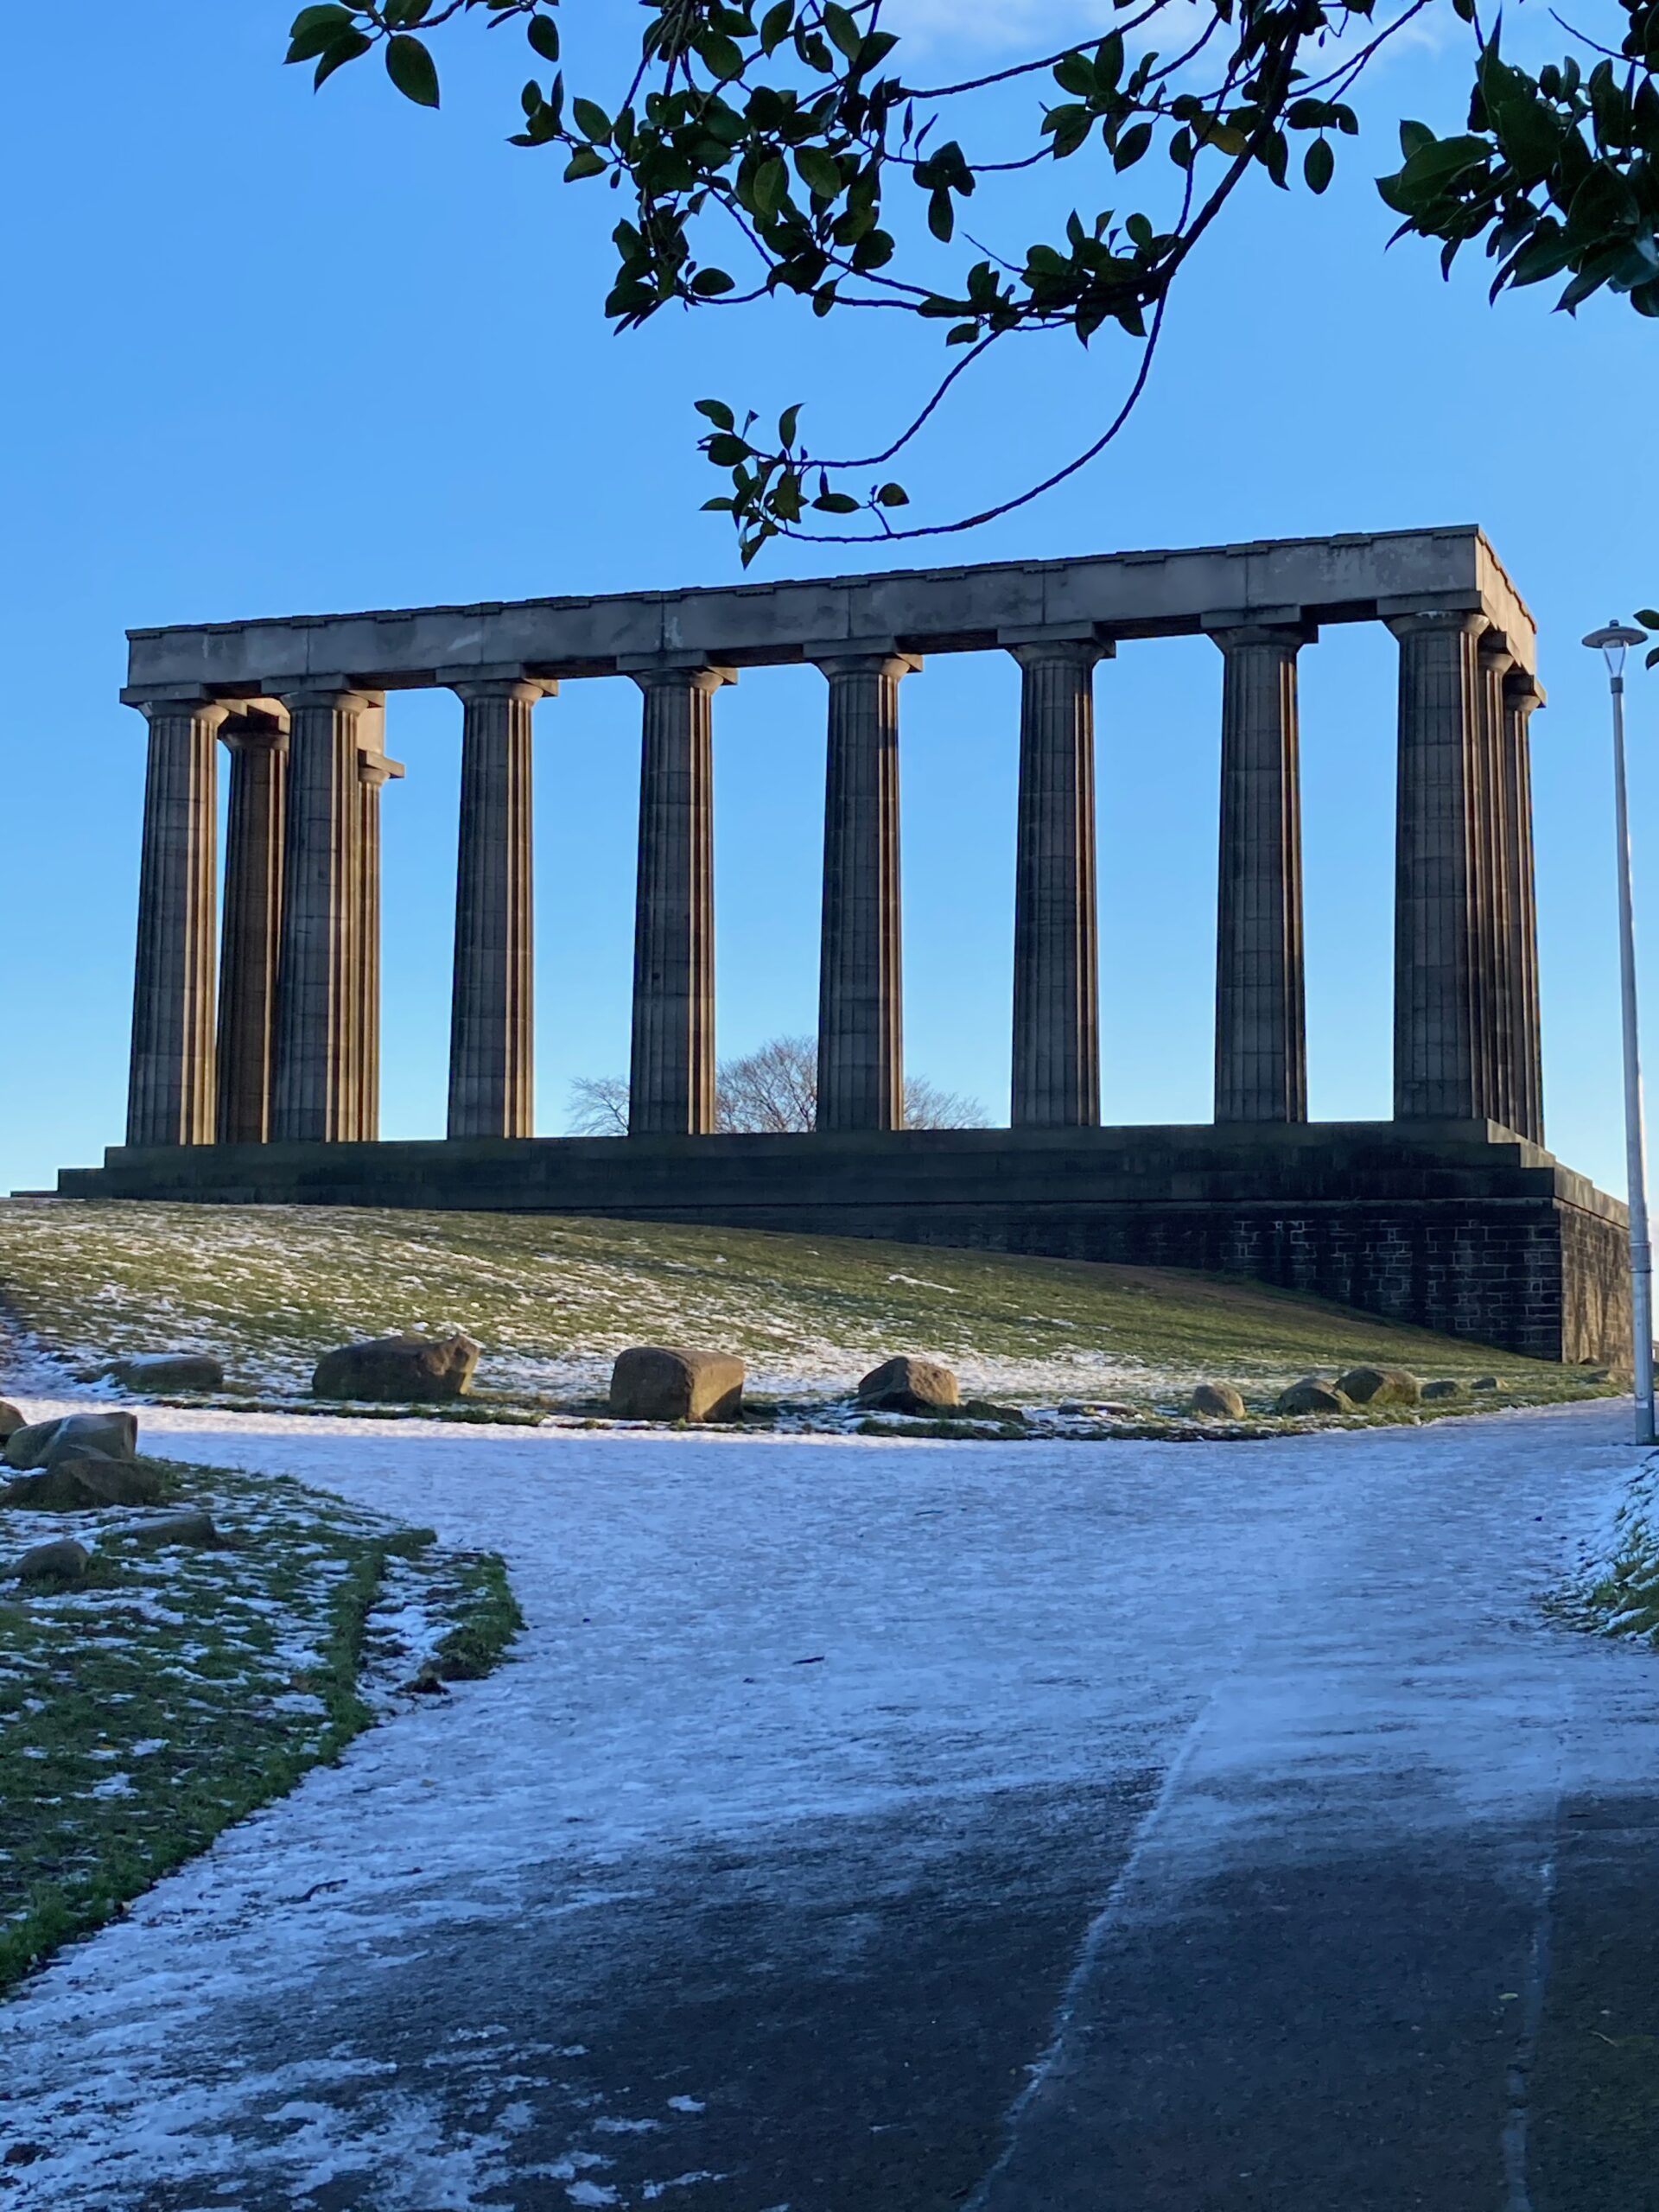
<point>492,1029</point>
<point>861,993</point>
<point>253,902</point>
<point>1495,847</point>
<point>319,1002</point>
<point>1521,696</point>
<point>1055,922</point>
<point>170,1089</point>
<point>1261,1024</point>
<point>374,772</point>
<point>1440,994</point>
<point>672,1084</point>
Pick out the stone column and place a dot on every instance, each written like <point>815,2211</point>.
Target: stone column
<point>1056,920</point>
<point>254,902</point>
<point>1261,1023</point>
<point>170,1087</point>
<point>1440,994</point>
<point>1520,697</point>
<point>374,772</point>
<point>317,1097</point>
<point>861,992</point>
<point>491,1027</point>
<point>1494,850</point>
<point>671,1084</point>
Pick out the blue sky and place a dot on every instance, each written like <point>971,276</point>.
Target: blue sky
<point>271,353</point>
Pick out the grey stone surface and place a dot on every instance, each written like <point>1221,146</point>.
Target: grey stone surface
<point>664,1383</point>
<point>908,1385</point>
<point>1310,1395</point>
<point>1521,697</point>
<point>170,1371</point>
<point>62,1560</point>
<point>492,1029</point>
<point>374,772</point>
<point>1380,1386</point>
<point>114,1433</point>
<point>861,990</point>
<point>193,1528</point>
<point>672,1084</point>
<point>402,1369</point>
<point>1055,909</point>
<point>252,924</point>
<point>1261,1025</point>
<point>1446,1387</point>
<point>1218,1401</point>
<point>10,1419</point>
<point>170,1092</point>
<point>81,1482</point>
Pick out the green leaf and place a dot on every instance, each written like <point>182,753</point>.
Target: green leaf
<point>1648,618</point>
<point>842,30</point>
<point>941,216</point>
<point>776,26</point>
<point>787,423</point>
<point>726,451</point>
<point>1414,136</point>
<point>893,495</point>
<point>1075,73</point>
<point>585,161</point>
<point>315,30</point>
<point>819,171</point>
<point>709,284</point>
<point>1132,145</point>
<point>835,502</point>
<point>409,67</point>
<point>343,50</point>
<point>543,34</point>
<point>591,120</point>
<point>771,186</point>
<point>718,413</point>
<point>1319,164</point>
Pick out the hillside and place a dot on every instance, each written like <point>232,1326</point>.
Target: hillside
<point>552,1299</point>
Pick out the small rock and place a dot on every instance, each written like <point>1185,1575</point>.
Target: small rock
<point>194,1527</point>
<point>910,1386</point>
<point>169,1370</point>
<point>10,1419</point>
<point>61,1560</point>
<point>1218,1401</point>
<point>1485,1382</point>
<point>662,1382</point>
<point>1380,1386</point>
<point>1311,1396</point>
<point>1115,1412</point>
<point>402,1370</point>
<point>983,1409</point>
<point>1443,1389</point>
<point>75,1485</point>
<point>114,1434</point>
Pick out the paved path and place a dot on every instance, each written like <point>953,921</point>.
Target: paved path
<point>912,1827</point>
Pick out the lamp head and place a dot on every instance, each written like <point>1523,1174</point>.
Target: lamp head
<point>1613,642</point>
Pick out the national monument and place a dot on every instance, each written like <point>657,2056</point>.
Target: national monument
<point>266,1088</point>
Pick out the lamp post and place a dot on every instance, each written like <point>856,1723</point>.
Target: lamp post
<point>1613,642</point>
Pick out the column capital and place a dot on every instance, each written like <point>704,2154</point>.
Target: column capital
<point>1284,637</point>
<point>256,730</point>
<point>375,769</point>
<point>677,672</point>
<point>1523,690</point>
<point>1436,621</point>
<point>1495,654</point>
<point>868,660</point>
<point>1068,648</point>
<point>335,693</point>
<point>212,712</point>
<point>519,690</point>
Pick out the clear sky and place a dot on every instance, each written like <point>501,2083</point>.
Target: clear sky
<point>269,354</point>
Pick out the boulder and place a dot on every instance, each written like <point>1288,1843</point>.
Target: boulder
<point>1380,1386</point>
<point>61,1560</point>
<point>909,1386</point>
<point>1485,1382</point>
<point>192,1526</point>
<point>406,1370</point>
<point>1312,1396</point>
<point>79,1484</point>
<point>1432,1391</point>
<point>113,1433</point>
<point>660,1382</point>
<point>987,1410</point>
<point>169,1370</point>
<point>10,1419</point>
<point>1217,1401</point>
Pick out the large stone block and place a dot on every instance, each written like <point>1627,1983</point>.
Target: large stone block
<point>114,1434</point>
<point>403,1370</point>
<point>661,1382</point>
<point>910,1386</point>
<point>169,1370</point>
<point>81,1482</point>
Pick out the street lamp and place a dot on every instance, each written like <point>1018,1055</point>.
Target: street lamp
<point>1613,642</point>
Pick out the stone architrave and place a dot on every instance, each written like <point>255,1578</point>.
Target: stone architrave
<point>1441,932</point>
<point>861,990</point>
<point>170,1092</point>
<point>1260,1021</point>
<point>492,1030</point>
<point>319,995</point>
<point>1056,918</point>
<point>374,772</point>
<point>251,924</point>
<point>672,1082</point>
<point>1520,697</point>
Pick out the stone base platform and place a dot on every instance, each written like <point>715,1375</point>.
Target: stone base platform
<point>1456,1225</point>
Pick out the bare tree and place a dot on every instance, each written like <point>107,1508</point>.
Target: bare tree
<point>598,1106</point>
<point>929,1106</point>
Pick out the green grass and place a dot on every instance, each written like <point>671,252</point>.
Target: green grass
<point>1621,1598</point>
<point>177,1690</point>
<point>551,1300</point>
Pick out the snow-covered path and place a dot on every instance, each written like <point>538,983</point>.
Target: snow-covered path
<point>893,1824</point>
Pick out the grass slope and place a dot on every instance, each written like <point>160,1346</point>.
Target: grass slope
<point>552,1300</point>
<point>144,1711</point>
